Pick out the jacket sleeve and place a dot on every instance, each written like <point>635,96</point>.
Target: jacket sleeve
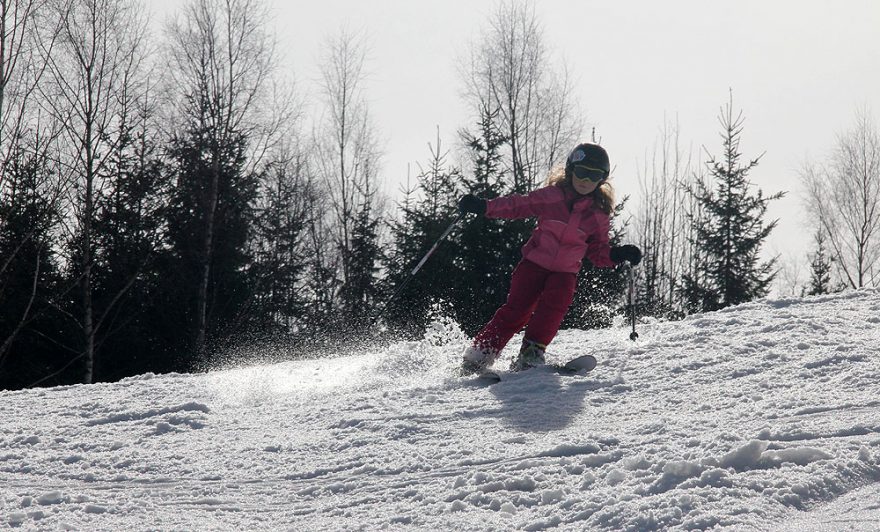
<point>517,206</point>
<point>598,246</point>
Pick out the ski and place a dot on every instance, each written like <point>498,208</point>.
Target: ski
<point>489,377</point>
<point>577,365</point>
<point>583,363</point>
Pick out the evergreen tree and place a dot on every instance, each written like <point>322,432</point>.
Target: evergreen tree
<point>221,61</point>
<point>360,292</point>
<point>422,223</point>
<point>322,279</point>
<point>127,234</point>
<point>820,268</point>
<point>279,304</point>
<point>733,231</point>
<point>209,178</point>
<point>31,328</point>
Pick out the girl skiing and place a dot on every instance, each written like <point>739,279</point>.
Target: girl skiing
<point>573,213</point>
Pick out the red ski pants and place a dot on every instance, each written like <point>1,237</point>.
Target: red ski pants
<point>538,297</point>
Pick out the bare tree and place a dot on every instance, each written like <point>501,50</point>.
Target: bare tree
<point>694,258</point>
<point>348,153</point>
<point>23,133</point>
<point>279,243</point>
<point>222,62</point>
<point>560,113</point>
<point>20,71</point>
<point>94,68</point>
<point>843,196</point>
<point>14,22</point>
<point>788,281</point>
<point>661,221</point>
<point>508,70</point>
<point>23,186</point>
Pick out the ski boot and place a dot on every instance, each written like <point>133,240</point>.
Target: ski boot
<point>531,354</point>
<point>475,361</point>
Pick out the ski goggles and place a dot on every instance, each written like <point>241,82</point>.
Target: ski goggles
<point>583,172</point>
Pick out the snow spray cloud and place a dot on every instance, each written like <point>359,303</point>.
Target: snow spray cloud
<point>258,374</point>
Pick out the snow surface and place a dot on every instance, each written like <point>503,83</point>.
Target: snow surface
<point>761,417</point>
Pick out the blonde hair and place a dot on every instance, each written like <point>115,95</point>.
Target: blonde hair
<point>603,195</point>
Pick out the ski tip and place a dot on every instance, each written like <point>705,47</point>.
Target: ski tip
<point>582,363</point>
<point>489,377</point>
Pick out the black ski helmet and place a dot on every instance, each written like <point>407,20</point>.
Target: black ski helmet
<point>588,161</point>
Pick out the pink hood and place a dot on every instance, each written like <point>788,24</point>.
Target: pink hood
<point>563,235</point>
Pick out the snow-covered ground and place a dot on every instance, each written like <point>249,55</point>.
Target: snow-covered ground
<point>765,416</point>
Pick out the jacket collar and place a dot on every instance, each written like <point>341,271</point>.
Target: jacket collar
<point>575,201</point>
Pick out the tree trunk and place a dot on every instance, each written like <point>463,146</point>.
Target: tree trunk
<point>88,309</point>
<point>207,252</point>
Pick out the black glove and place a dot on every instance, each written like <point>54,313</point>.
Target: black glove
<point>471,203</point>
<point>628,252</point>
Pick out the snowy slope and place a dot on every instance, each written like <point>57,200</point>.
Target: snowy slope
<point>765,416</point>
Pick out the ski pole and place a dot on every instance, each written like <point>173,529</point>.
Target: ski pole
<point>416,269</point>
<point>632,305</point>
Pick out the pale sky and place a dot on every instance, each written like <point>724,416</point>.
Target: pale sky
<point>799,70</point>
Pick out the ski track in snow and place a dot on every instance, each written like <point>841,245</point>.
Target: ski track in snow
<point>764,416</point>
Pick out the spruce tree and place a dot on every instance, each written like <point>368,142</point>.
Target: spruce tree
<point>208,177</point>
<point>279,270</point>
<point>422,223</point>
<point>359,294</point>
<point>31,326</point>
<point>322,278</point>
<point>127,235</point>
<point>820,268</point>
<point>733,231</point>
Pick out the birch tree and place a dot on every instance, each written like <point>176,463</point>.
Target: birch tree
<point>19,71</point>
<point>843,196</point>
<point>348,162</point>
<point>222,60</point>
<point>509,70</point>
<point>661,222</point>
<point>94,64</point>
<point>29,193</point>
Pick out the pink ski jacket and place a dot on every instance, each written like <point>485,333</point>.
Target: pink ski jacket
<point>569,227</point>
